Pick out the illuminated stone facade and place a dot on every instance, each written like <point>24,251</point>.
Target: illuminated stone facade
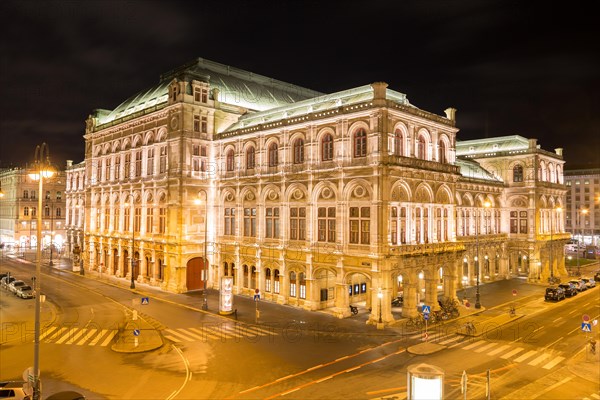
<point>19,212</point>
<point>317,200</point>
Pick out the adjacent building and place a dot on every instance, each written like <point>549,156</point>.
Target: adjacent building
<point>315,200</point>
<point>583,205</point>
<point>19,212</point>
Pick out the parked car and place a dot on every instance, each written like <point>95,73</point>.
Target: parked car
<point>597,276</point>
<point>14,285</point>
<point>579,284</point>
<point>569,288</point>
<point>3,274</point>
<point>554,293</point>
<point>25,292</point>
<point>13,390</point>
<point>589,283</point>
<point>6,281</point>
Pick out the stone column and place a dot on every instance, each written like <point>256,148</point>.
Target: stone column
<point>409,308</point>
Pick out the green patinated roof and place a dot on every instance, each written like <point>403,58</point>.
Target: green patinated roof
<point>491,145</point>
<point>472,169</point>
<point>236,87</point>
<point>321,103</point>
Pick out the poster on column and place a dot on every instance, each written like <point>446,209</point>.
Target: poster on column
<point>226,295</point>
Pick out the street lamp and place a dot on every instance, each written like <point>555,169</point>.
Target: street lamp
<point>198,201</point>
<point>380,296</point>
<point>486,204</point>
<point>51,214</point>
<point>132,284</point>
<point>42,170</point>
<point>558,211</point>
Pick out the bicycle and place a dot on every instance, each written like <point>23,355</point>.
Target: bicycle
<point>512,311</point>
<point>470,328</point>
<point>416,322</point>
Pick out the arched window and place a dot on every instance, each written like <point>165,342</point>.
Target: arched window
<point>268,280</point>
<point>245,269</point>
<point>250,158</point>
<point>292,284</point>
<point>518,173</point>
<point>442,152</point>
<point>276,281</point>
<point>253,278</point>
<point>327,148</point>
<point>398,143</point>
<point>273,155</point>
<point>422,148</point>
<point>302,281</point>
<point>229,160</point>
<point>298,151</point>
<point>360,143</point>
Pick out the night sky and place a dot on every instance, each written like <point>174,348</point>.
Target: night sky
<point>509,67</point>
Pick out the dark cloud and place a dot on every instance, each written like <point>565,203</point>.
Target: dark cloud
<point>508,66</point>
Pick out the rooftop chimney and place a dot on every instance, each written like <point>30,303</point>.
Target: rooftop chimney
<point>451,113</point>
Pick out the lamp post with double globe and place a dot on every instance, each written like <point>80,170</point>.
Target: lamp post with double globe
<point>42,170</point>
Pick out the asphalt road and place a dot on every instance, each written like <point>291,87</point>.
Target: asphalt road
<point>289,353</point>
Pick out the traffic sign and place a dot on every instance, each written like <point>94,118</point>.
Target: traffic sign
<point>467,304</point>
<point>426,309</point>
<point>136,332</point>
<point>586,327</point>
<point>514,292</point>
<point>585,318</point>
<point>425,316</point>
<point>145,300</point>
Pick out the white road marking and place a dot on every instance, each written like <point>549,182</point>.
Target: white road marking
<point>525,356</point>
<point>512,353</point>
<point>498,350</point>
<point>553,363</point>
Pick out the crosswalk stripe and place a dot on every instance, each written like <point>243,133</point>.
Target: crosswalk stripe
<point>205,334</point>
<point>172,339</point>
<point>248,331</point>
<point>66,336</point>
<point>538,360</point>
<point>79,334</point>
<point>498,350</point>
<point>56,334</point>
<point>109,338</point>
<point>596,395</point>
<point>260,332</point>
<point>231,331</point>
<point>221,333</point>
<point>553,363</point>
<point>97,338</point>
<point>87,336</point>
<point>193,335</point>
<point>179,335</point>
<point>271,332</point>
<point>525,356</point>
<point>473,345</point>
<point>484,348</point>
<point>47,332</point>
<point>453,339</point>
<point>512,353</point>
